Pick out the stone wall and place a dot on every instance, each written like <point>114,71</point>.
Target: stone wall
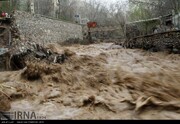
<point>166,41</point>
<point>45,30</point>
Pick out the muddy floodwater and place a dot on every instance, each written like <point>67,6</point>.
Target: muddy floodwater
<point>99,81</point>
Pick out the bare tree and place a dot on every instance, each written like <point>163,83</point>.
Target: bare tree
<point>118,15</point>
<point>66,9</point>
<point>44,7</point>
<point>159,7</point>
<point>92,8</point>
<point>23,5</point>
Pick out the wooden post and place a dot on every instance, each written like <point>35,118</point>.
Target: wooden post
<point>7,62</point>
<point>89,35</point>
<point>90,25</point>
<point>10,38</point>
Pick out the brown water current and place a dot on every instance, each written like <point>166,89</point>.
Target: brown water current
<point>99,81</point>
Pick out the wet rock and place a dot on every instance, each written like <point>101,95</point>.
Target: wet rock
<point>40,55</point>
<point>176,51</point>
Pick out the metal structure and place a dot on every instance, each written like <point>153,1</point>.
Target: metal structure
<point>148,26</point>
<point>90,25</point>
<point>163,37</point>
<point>141,27</point>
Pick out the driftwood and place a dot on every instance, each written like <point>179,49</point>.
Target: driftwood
<point>36,52</point>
